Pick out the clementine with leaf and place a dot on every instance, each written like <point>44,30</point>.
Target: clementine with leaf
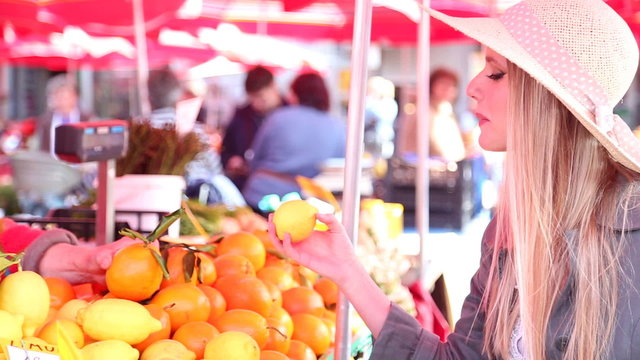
<point>198,265</point>
<point>135,273</point>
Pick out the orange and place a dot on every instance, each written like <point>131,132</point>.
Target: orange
<point>300,351</point>
<point>246,321</point>
<point>302,300</point>
<point>201,263</point>
<point>312,331</point>
<point>272,355</point>
<point>280,331</point>
<point>331,325</point>
<point>328,290</point>
<point>263,235</point>
<point>245,292</point>
<point>304,276</point>
<point>277,275</point>
<point>183,303</point>
<point>216,300</point>
<point>280,317</point>
<point>274,292</point>
<point>233,264</point>
<point>60,291</point>
<point>134,273</point>
<point>159,313</point>
<point>195,335</point>
<point>245,244</point>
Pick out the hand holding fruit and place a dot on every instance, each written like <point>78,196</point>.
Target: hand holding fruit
<point>329,252</point>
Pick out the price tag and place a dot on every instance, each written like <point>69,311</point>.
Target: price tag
<point>16,353</point>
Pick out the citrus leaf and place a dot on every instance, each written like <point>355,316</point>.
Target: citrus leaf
<point>162,263</point>
<point>199,267</point>
<point>164,224</point>
<point>206,248</point>
<point>188,265</point>
<point>133,234</point>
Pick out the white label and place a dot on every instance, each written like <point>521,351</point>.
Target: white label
<point>15,353</point>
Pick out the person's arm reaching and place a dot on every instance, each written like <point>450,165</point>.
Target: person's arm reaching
<point>330,253</point>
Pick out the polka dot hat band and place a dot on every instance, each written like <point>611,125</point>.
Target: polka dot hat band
<point>580,50</point>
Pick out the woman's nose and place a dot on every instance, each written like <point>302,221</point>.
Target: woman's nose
<point>473,91</point>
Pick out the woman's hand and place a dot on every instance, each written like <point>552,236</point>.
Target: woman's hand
<point>79,263</point>
<point>329,253</point>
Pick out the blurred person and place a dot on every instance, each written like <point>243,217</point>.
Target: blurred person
<point>263,97</point>
<point>165,90</point>
<point>294,140</point>
<point>380,114</point>
<point>203,175</point>
<point>445,137</point>
<point>62,108</point>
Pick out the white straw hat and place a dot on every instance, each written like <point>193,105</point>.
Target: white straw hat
<point>580,50</point>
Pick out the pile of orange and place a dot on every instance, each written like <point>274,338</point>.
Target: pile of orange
<point>239,287</point>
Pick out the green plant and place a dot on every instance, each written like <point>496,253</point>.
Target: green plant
<point>158,151</point>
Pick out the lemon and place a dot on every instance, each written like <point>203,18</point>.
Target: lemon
<point>109,350</point>
<point>26,293</point>
<point>119,319</point>
<point>70,309</point>
<point>167,350</point>
<point>10,326</point>
<point>296,217</point>
<point>232,345</point>
<point>73,330</point>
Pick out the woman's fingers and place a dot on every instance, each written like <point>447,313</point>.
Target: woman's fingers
<point>271,231</point>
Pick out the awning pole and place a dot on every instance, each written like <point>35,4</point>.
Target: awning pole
<point>142,60</point>
<point>355,138</point>
<point>423,113</point>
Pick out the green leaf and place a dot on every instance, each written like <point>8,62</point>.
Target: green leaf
<point>166,221</point>
<point>188,265</point>
<point>161,262</point>
<point>133,234</point>
<point>199,267</point>
<point>206,248</point>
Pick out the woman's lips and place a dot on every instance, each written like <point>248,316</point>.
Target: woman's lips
<point>481,119</point>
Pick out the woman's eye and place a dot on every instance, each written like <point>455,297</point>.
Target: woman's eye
<point>496,76</point>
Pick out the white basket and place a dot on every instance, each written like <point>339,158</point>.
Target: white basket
<point>38,172</point>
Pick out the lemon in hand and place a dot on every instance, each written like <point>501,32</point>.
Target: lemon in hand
<point>296,217</point>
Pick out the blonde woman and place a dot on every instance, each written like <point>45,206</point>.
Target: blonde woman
<point>560,271</point>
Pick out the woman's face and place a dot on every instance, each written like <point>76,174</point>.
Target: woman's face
<point>490,91</point>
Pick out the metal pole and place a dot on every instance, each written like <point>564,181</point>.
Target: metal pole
<point>355,138</point>
<point>105,212</point>
<point>423,113</point>
<point>142,59</point>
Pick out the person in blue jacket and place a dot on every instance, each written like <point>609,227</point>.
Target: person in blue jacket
<point>559,276</point>
<point>294,140</point>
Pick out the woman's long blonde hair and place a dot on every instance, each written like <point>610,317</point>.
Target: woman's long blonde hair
<point>559,185</point>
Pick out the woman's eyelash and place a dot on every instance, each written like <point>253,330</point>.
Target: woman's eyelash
<point>496,76</point>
